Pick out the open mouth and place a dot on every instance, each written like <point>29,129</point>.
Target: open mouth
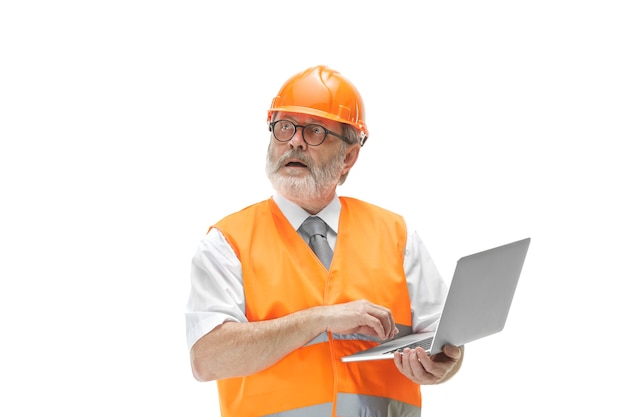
<point>295,164</point>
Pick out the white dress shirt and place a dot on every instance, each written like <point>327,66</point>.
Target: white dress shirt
<point>217,293</point>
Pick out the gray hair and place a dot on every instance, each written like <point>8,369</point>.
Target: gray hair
<point>353,136</point>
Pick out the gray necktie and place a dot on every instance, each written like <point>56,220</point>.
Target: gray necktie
<point>315,229</point>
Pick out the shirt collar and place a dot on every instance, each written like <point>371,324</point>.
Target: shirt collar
<point>296,215</point>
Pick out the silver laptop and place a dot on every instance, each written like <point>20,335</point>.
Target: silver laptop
<point>477,304</point>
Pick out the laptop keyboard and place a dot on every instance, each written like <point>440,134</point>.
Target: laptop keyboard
<point>421,343</point>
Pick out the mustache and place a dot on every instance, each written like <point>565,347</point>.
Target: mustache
<point>295,154</point>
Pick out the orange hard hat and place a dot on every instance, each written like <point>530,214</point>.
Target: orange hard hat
<point>322,92</point>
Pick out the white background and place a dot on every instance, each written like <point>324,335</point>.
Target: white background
<point>128,127</point>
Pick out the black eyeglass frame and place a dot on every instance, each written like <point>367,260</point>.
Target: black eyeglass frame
<point>326,132</point>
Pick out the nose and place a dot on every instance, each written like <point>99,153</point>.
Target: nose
<point>297,140</point>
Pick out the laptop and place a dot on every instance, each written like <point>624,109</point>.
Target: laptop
<point>477,303</point>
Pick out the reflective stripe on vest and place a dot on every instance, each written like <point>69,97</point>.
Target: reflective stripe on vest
<point>371,406</point>
<point>355,405</point>
<point>320,410</point>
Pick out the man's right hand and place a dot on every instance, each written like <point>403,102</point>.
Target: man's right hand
<point>359,316</point>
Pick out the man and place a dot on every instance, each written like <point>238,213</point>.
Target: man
<point>270,320</point>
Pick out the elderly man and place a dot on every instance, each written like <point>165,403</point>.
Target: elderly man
<point>283,289</point>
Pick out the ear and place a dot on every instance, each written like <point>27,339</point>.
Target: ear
<point>351,156</point>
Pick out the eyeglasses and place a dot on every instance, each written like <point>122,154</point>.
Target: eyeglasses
<point>313,134</point>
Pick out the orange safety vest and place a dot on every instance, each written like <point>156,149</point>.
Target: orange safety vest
<point>281,275</point>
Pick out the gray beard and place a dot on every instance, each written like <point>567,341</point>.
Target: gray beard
<point>318,184</point>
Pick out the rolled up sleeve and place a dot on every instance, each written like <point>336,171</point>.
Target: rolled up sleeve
<point>427,289</point>
<point>216,295</point>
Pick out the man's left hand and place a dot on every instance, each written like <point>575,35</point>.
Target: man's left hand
<point>421,368</point>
